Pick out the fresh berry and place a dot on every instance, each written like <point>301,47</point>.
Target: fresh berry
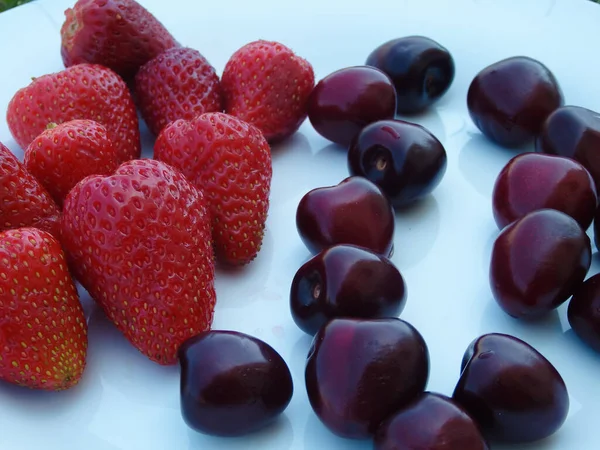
<point>584,312</point>
<point>230,161</point>
<point>85,91</point>
<point>264,83</point>
<point>119,34</point>
<point>23,200</point>
<point>43,331</point>
<point>139,242</point>
<point>65,154</point>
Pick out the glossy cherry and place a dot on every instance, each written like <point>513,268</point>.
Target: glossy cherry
<point>538,262</point>
<point>232,383</point>
<point>345,281</point>
<point>404,159</point>
<point>433,422</point>
<point>533,181</point>
<point>512,391</point>
<point>360,371</point>
<point>422,70</point>
<point>574,132</point>
<point>584,312</point>
<point>355,211</point>
<point>510,100</point>
<point>342,103</point>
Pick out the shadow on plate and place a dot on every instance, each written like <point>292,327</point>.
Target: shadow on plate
<point>317,436</point>
<point>430,119</point>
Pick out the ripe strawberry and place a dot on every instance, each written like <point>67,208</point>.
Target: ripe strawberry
<point>65,154</point>
<point>23,200</point>
<point>266,84</point>
<point>85,91</point>
<point>119,34</point>
<point>43,331</point>
<point>178,84</point>
<point>139,242</point>
<point>230,161</point>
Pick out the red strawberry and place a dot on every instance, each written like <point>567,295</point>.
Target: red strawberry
<point>266,84</point>
<point>230,161</point>
<point>85,91</point>
<point>65,154</point>
<point>178,84</point>
<point>119,34</point>
<point>23,200</point>
<point>43,331</point>
<point>139,242</point>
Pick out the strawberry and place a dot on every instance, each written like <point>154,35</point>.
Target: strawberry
<point>230,161</point>
<point>266,84</point>
<point>85,91</point>
<point>65,154</point>
<point>43,331</point>
<point>178,84</point>
<point>119,34</point>
<point>139,242</point>
<point>23,200</point>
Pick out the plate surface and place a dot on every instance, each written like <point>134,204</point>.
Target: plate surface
<point>442,245</point>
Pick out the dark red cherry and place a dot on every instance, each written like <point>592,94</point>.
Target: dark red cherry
<point>512,391</point>
<point>510,100</point>
<point>404,159</point>
<point>232,383</point>
<point>355,212</point>
<point>584,312</point>
<point>533,181</point>
<point>421,69</point>
<point>345,281</point>
<point>342,103</point>
<point>360,371</point>
<point>538,262</point>
<point>432,422</point>
<point>573,132</point>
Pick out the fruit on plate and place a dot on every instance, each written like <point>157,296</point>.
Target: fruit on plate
<point>533,181</point>
<point>139,242</point>
<point>404,159</point>
<point>511,390</point>
<point>119,34</point>
<point>360,371</point>
<point>43,331</point>
<point>65,154</point>
<point>347,100</point>
<point>178,84</point>
<point>23,200</point>
<point>574,132</point>
<point>433,422</point>
<point>538,262</point>
<point>510,100</point>
<point>85,91</point>
<point>230,161</point>
<point>232,383</point>
<point>355,212</point>
<point>422,70</point>
<point>345,281</point>
<point>266,84</point>
<point>584,312</point>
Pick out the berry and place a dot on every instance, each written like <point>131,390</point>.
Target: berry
<point>584,312</point>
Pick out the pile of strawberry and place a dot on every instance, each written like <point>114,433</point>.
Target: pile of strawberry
<point>142,236</point>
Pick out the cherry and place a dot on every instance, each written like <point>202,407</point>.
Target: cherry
<point>533,181</point>
<point>345,281</point>
<point>421,69</point>
<point>538,262</point>
<point>360,371</point>
<point>404,159</point>
<point>232,383</point>
<point>573,132</point>
<point>355,211</point>
<point>433,422</point>
<point>342,103</point>
<point>584,312</point>
<point>510,100</point>
<point>512,391</point>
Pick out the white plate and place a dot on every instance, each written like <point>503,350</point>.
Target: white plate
<point>442,245</point>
